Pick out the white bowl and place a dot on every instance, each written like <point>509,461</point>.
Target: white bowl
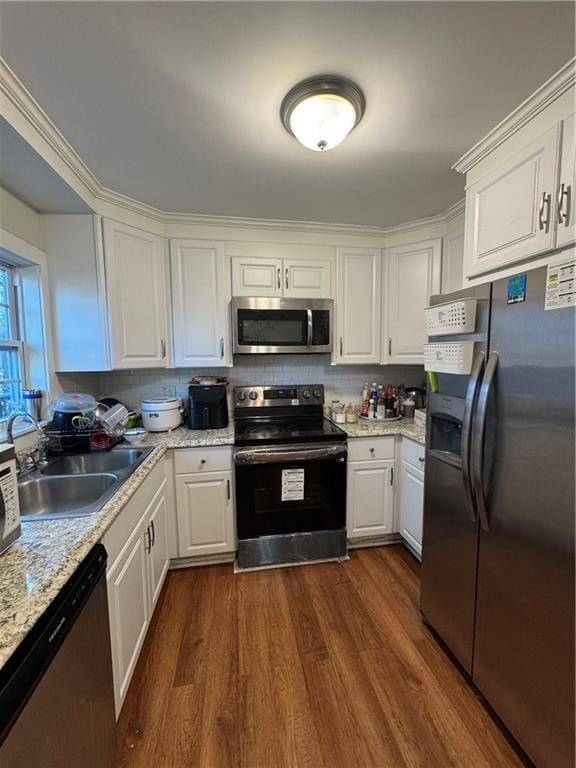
<point>135,435</point>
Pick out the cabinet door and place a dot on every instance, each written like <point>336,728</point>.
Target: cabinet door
<point>136,282</point>
<point>510,212</point>
<point>566,199</point>
<point>128,606</point>
<point>453,261</point>
<point>256,277</point>
<point>307,279</point>
<point>411,506</point>
<point>200,304</point>
<point>370,498</point>
<point>157,540</point>
<point>413,273</point>
<point>205,513</point>
<point>358,305</point>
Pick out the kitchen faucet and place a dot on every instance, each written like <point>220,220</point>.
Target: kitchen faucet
<point>41,447</point>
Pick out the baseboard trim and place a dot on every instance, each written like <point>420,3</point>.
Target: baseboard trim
<point>379,541</point>
<point>194,562</point>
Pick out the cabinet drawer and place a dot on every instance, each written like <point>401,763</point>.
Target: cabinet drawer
<point>213,459</point>
<point>413,453</point>
<point>367,448</point>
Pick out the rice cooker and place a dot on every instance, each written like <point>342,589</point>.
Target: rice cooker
<point>161,414</point>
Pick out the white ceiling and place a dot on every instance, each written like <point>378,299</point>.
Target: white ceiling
<point>176,104</point>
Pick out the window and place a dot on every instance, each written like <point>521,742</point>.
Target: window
<point>11,347</point>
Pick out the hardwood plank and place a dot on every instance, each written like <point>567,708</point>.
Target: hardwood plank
<point>324,666</point>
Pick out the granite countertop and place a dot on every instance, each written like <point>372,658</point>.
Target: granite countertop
<point>374,428</point>
<point>36,567</point>
<point>182,437</point>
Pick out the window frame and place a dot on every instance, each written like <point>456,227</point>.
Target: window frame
<point>15,341</point>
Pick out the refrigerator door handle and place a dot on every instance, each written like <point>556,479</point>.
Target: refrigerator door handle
<point>471,396</point>
<point>478,439</point>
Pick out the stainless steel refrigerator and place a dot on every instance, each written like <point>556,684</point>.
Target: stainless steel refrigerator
<point>498,538</point>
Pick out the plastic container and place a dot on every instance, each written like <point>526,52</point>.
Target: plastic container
<point>161,414</point>
<point>73,402</point>
<point>409,407</point>
<point>135,435</point>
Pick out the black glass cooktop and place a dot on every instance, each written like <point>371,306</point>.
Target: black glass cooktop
<point>273,431</point>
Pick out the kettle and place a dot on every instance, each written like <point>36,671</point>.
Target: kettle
<point>418,395</point>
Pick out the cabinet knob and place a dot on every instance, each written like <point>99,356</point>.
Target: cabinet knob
<point>372,451</point>
<point>202,461</point>
<point>421,459</point>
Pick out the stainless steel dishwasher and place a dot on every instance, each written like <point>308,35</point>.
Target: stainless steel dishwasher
<point>56,691</point>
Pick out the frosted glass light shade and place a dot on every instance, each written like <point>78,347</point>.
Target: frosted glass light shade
<point>322,121</point>
<point>321,111</point>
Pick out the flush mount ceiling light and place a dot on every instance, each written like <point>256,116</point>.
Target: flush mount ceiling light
<point>321,111</point>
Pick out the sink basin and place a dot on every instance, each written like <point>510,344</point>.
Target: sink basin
<point>90,463</point>
<point>50,498</point>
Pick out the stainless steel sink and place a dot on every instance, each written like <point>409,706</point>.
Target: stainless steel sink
<point>49,498</point>
<point>90,463</point>
<point>76,485</point>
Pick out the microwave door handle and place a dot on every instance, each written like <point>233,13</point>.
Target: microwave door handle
<point>310,328</point>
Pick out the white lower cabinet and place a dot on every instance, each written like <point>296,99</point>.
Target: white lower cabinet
<point>205,502</point>
<point>137,546</point>
<point>411,495</point>
<point>370,488</point>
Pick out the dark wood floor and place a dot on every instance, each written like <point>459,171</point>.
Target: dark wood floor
<point>325,665</point>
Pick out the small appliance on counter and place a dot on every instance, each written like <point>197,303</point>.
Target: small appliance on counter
<point>10,529</point>
<point>207,403</point>
<point>161,414</point>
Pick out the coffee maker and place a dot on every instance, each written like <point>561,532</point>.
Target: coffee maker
<point>207,406</point>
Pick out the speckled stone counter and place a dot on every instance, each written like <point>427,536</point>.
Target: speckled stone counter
<point>37,566</point>
<point>190,438</point>
<point>367,428</point>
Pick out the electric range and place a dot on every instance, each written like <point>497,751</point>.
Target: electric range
<point>290,467</point>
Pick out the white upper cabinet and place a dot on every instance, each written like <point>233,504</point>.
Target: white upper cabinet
<point>136,281</point>
<point>510,211</point>
<point>453,260</point>
<point>281,269</point>
<point>413,275</point>
<point>566,199</point>
<point>200,304</point>
<point>358,306</point>
<point>256,277</point>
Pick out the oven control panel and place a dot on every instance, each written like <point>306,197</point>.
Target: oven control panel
<point>266,397</point>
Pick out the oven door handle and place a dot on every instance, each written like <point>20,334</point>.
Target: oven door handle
<point>281,454</point>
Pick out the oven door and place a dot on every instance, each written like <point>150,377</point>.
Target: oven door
<point>290,489</point>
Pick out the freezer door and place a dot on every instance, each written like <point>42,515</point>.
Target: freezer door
<point>524,637</point>
<point>450,530</point>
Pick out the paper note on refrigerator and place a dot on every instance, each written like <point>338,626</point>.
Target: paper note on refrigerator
<point>561,285</point>
<point>292,485</point>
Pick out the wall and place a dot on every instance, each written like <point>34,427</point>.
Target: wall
<point>18,219</point>
<point>342,382</point>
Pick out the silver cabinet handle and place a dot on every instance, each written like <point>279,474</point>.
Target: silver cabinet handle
<point>341,346</point>
<point>371,451</point>
<point>153,532</point>
<point>149,547</point>
<point>287,285</point>
<point>390,345</point>
<point>228,489</point>
<point>279,279</point>
<point>391,475</point>
<point>221,347</point>
<point>544,203</point>
<point>162,348</point>
<point>564,194</point>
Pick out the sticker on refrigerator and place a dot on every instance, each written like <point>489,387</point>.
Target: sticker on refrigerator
<point>517,289</point>
<point>561,285</point>
<point>292,485</point>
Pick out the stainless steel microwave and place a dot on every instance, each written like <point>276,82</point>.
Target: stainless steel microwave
<point>282,326</point>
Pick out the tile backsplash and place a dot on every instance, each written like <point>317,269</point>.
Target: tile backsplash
<point>343,382</point>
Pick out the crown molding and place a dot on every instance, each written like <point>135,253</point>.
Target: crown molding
<point>33,122</point>
<point>558,84</point>
<point>455,210</point>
